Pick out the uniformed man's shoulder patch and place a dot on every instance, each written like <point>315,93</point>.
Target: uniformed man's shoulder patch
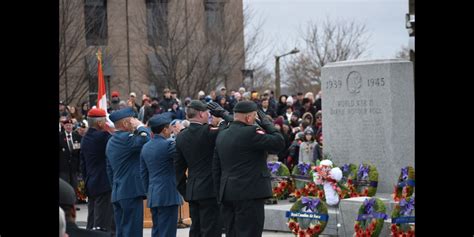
<point>130,135</point>
<point>260,131</point>
<point>143,134</point>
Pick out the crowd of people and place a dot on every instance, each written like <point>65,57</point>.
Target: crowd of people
<point>210,151</point>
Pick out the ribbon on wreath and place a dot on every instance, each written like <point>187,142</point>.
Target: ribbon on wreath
<point>369,211</point>
<point>273,167</point>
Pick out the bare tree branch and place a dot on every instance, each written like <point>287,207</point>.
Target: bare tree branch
<point>331,41</point>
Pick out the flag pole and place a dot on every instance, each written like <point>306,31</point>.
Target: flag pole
<point>102,95</point>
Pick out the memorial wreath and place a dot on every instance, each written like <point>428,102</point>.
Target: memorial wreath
<point>402,218</point>
<point>349,174</point>
<point>370,218</point>
<point>311,189</point>
<point>281,188</point>
<point>81,190</point>
<point>405,185</point>
<point>366,180</point>
<point>301,174</point>
<point>303,223</point>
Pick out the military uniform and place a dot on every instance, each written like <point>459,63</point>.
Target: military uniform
<point>158,175</point>
<point>123,169</point>
<point>195,147</point>
<point>93,167</point>
<point>69,150</point>
<point>240,173</point>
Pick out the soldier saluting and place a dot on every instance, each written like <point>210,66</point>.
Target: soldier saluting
<point>195,149</point>
<point>123,169</point>
<point>240,171</point>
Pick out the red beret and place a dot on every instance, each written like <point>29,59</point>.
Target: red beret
<point>96,113</point>
<point>115,94</point>
<point>65,121</point>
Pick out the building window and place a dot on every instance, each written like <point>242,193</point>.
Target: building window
<point>95,16</point>
<point>157,73</point>
<point>157,22</point>
<point>214,13</point>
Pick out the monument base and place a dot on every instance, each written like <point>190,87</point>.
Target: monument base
<point>275,218</point>
<point>345,215</point>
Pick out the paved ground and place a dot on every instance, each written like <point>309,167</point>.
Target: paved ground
<point>81,220</point>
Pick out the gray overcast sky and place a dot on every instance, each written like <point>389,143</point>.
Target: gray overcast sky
<point>283,21</point>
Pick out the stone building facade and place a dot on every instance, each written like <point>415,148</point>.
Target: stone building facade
<point>148,45</point>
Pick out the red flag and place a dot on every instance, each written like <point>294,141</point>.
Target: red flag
<point>101,94</point>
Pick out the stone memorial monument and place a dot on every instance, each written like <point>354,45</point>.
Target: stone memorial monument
<point>368,115</point>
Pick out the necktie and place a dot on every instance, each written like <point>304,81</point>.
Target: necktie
<point>69,142</point>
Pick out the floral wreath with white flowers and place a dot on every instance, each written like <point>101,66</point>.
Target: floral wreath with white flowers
<point>324,174</point>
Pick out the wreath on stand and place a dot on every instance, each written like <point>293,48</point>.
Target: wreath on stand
<point>370,218</point>
<point>81,190</point>
<point>349,174</point>
<point>402,218</point>
<point>405,185</point>
<point>366,180</point>
<point>303,181</point>
<point>303,223</point>
<point>301,171</point>
<point>311,189</point>
<point>281,188</point>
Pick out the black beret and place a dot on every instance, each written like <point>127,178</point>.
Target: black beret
<point>197,105</point>
<point>67,196</point>
<point>245,107</point>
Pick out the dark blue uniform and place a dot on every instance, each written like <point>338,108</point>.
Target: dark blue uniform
<point>98,188</point>
<point>123,168</point>
<point>158,175</point>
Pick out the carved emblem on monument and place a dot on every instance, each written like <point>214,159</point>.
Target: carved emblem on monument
<point>354,82</point>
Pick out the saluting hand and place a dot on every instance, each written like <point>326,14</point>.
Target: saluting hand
<point>135,122</point>
<point>215,109</point>
<point>264,122</point>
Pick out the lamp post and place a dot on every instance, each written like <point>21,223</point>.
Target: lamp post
<point>277,71</point>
